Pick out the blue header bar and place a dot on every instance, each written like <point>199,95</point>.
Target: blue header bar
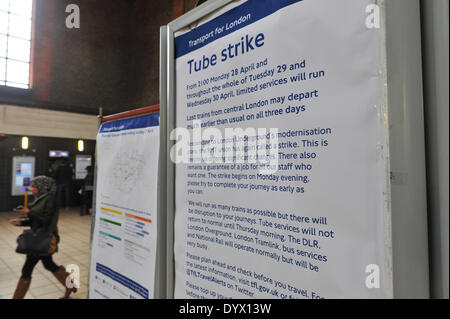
<point>125,281</point>
<point>232,20</point>
<point>130,124</point>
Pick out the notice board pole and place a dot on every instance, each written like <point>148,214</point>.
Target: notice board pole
<point>164,224</point>
<point>435,29</point>
<point>94,200</point>
<point>407,149</point>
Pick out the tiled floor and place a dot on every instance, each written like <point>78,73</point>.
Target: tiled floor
<point>74,248</point>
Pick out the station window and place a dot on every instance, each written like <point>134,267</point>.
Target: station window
<point>15,42</point>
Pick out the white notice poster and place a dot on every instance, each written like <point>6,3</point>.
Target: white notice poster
<point>303,80</point>
<point>124,237</point>
<point>82,162</point>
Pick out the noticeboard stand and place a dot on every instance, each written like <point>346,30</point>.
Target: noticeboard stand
<point>405,210</point>
<point>163,253</point>
<point>160,282</point>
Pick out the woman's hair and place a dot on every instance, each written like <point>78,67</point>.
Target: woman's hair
<point>44,184</point>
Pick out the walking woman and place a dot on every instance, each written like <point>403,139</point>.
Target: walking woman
<point>41,214</point>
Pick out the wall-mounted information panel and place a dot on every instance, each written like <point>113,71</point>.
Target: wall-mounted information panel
<point>22,173</point>
<point>82,162</point>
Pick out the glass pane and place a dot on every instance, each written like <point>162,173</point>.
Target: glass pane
<point>4,5</point>
<point>19,49</point>
<point>17,72</point>
<point>3,22</point>
<point>2,69</point>
<point>3,39</point>
<point>17,85</point>
<point>21,7</point>
<point>19,27</point>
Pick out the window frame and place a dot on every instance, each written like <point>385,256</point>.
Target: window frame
<point>5,86</point>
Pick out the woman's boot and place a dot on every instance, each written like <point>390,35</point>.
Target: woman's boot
<point>22,288</point>
<point>62,275</point>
